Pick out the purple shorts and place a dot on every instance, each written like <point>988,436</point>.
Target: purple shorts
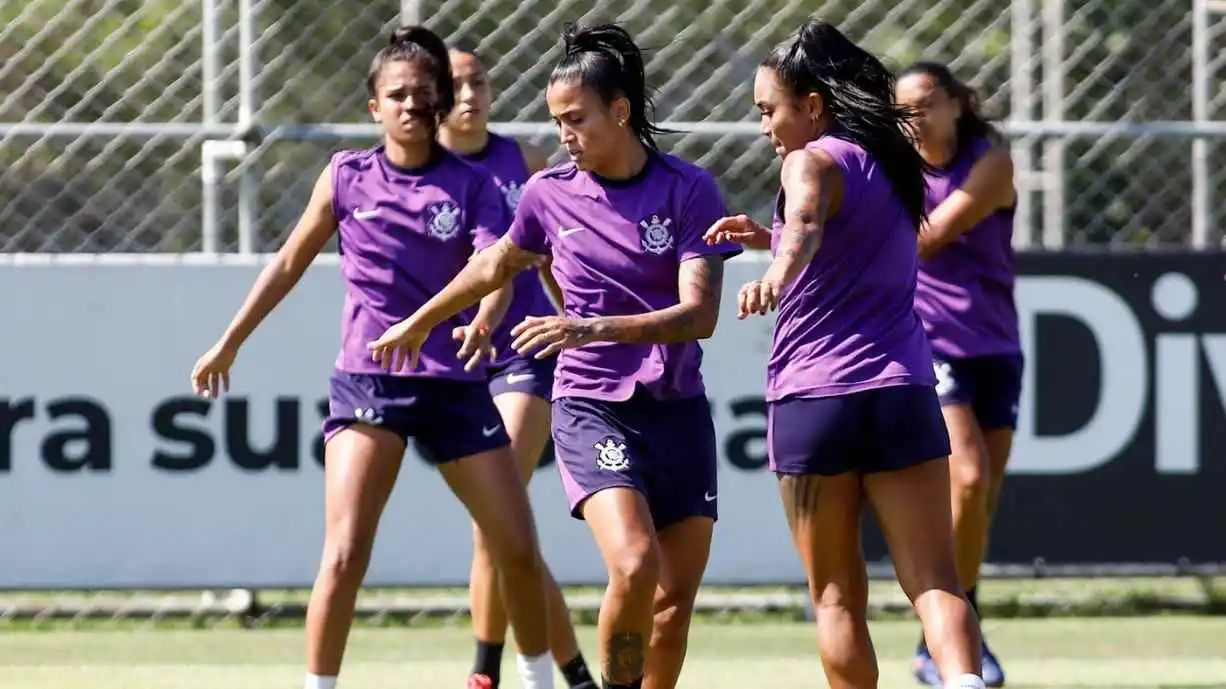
<point>990,385</point>
<point>447,419</point>
<point>524,374</point>
<point>873,430</point>
<point>662,449</point>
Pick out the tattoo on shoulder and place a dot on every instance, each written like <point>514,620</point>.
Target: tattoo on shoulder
<point>516,259</point>
<point>706,275</point>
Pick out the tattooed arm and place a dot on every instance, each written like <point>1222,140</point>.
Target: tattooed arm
<point>700,283</point>
<point>487,271</point>
<point>813,189</point>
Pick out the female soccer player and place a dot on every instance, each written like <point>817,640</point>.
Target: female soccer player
<point>964,297</point>
<point>851,406</point>
<point>635,443</point>
<point>409,215</point>
<point>521,385</point>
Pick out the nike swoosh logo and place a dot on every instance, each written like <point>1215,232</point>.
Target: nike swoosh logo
<point>365,215</point>
<point>569,232</point>
<point>709,497</point>
<point>489,432</point>
<point>519,377</point>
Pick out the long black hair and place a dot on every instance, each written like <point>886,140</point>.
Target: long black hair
<point>606,59</point>
<point>858,92</point>
<point>424,47</point>
<point>972,123</point>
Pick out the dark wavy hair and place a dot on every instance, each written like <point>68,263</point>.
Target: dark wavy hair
<point>972,124</point>
<point>422,46</point>
<point>606,59</point>
<point>858,93</point>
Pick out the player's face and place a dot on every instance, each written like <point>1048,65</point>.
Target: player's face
<point>937,112</point>
<point>405,101</point>
<point>473,94</point>
<point>789,122</point>
<point>587,127</point>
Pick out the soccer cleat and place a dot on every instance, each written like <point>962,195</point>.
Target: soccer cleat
<point>993,674</point>
<point>925,669</point>
<point>476,681</point>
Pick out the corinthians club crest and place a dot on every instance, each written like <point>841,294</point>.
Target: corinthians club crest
<point>657,237</point>
<point>444,220</point>
<point>612,455</point>
<point>512,192</point>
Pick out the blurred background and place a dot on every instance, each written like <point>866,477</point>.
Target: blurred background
<point>151,151</point>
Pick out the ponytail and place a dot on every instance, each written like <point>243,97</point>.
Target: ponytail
<point>606,59</point>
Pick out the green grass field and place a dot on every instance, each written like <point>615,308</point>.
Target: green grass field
<point>1125,653</point>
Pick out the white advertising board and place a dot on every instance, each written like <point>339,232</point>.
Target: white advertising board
<point>113,475</point>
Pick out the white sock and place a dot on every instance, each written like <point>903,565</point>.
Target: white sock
<point>317,682</point>
<point>535,673</point>
<point>965,682</point>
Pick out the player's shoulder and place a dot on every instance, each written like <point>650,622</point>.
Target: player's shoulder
<point>456,168</point>
<point>354,159</point>
<point>552,177</point>
<point>675,170</point>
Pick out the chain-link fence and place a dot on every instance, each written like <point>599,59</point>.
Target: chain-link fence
<point>108,104</point>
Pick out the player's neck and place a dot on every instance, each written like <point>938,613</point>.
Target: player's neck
<point>464,143</point>
<point>409,157</point>
<point>938,154</point>
<point>626,167</point>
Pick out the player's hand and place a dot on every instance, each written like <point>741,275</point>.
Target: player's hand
<point>758,297</point>
<point>474,345</point>
<point>739,229</point>
<point>211,374</point>
<point>550,334</point>
<point>398,345</point>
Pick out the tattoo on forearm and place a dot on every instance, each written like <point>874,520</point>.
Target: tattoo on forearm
<point>624,657</point>
<point>799,495</point>
<point>703,278</point>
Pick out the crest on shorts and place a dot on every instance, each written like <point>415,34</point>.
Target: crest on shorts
<point>612,455</point>
<point>945,378</point>
<point>512,192</point>
<point>657,237</point>
<point>444,220</point>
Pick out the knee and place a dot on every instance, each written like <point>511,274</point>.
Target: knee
<point>518,555</point>
<point>635,570</point>
<point>970,480</point>
<point>346,556</point>
<point>674,610</point>
<point>481,546</point>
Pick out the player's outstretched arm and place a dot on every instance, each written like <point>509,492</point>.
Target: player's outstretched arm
<point>489,270</point>
<point>316,226</point>
<point>314,229</point>
<point>700,282</point>
<point>813,188</point>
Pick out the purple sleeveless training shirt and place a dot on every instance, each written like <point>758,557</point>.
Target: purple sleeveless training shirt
<point>848,322</point>
<point>965,291</point>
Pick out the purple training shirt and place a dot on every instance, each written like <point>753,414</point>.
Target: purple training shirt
<point>617,247</point>
<point>848,323</point>
<point>965,291</point>
<point>404,234</point>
